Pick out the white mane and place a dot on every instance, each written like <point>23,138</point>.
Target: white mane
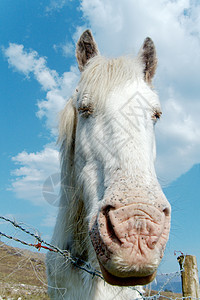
<point>103,74</point>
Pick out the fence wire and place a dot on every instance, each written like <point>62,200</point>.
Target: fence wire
<point>79,263</point>
<point>41,244</point>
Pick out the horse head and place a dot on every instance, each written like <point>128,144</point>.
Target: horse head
<point>108,126</point>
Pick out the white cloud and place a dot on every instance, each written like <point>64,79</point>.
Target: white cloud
<point>67,49</point>
<point>30,62</point>
<point>178,138</point>
<point>32,171</point>
<point>49,220</point>
<point>56,99</point>
<point>56,5</point>
<point>58,88</point>
<point>34,168</point>
<point>23,62</point>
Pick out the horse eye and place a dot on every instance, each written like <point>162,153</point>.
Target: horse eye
<point>156,115</point>
<point>85,110</point>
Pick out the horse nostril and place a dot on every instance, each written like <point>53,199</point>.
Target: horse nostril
<point>109,226</point>
<point>105,210</point>
<point>167,211</point>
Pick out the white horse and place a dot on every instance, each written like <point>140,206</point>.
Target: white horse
<point>113,213</point>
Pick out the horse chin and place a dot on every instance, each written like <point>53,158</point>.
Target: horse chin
<point>126,281</point>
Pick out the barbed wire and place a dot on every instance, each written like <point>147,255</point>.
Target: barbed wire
<point>66,254</point>
<point>79,263</point>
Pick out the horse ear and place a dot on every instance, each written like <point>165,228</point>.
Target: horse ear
<point>148,56</point>
<point>86,48</point>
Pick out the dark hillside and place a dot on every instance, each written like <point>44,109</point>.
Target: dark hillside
<point>22,274</point>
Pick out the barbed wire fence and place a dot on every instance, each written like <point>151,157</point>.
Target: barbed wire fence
<point>85,266</point>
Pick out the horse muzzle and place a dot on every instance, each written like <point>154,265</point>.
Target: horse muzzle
<point>129,241</point>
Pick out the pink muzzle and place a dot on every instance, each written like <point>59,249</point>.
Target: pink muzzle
<point>129,238</point>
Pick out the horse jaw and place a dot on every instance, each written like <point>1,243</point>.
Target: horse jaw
<point>127,281</point>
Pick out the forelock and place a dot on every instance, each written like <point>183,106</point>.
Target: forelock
<point>102,75</point>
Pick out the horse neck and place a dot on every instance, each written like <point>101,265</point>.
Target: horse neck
<point>71,229</point>
<point>71,233</point>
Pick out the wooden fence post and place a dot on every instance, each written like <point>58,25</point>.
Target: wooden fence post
<point>189,276</point>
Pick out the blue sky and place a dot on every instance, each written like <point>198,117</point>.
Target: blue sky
<point>39,72</point>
